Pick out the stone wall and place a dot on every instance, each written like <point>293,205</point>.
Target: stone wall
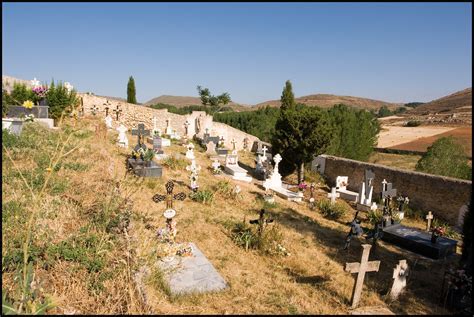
<point>198,121</point>
<point>443,196</point>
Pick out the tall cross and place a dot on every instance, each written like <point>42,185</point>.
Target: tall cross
<point>94,109</point>
<point>233,143</point>
<point>361,268</point>
<point>140,132</point>
<point>333,195</point>
<point>261,221</point>
<point>169,197</point>
<point>429,217</point>
<point>106,104</point>
<point>117,111</point>
<point>186,125</point>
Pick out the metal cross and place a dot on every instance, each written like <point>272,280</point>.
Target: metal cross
<point>117,111</point>
<point>261,221</point>
<point>361,268</point>
<point>140,132</point>
<point>94,109</point>
<point>169,197</point>
<point>355,230</point>
<point>106,104</point>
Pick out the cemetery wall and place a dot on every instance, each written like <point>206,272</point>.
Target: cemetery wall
<point>133,114</point>
<point>443,196</point>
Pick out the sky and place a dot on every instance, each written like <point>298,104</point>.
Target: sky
<point>395,52</point>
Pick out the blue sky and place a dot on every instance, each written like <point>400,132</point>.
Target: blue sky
<point>397,52</point>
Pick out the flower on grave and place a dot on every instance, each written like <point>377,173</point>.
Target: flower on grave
<point>302,186</point>
<point>40,91</point>
<point>438,231</point>
<point>28,104</point>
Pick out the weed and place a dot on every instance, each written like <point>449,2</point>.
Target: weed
<point>175,163</point>
<point>331,211</point>
<point>204,196</point>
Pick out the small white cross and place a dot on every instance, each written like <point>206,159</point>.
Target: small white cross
<point>333,195</point>
<point>35,83</point>
<point>68,86</point>
<point>264,149</point>
<point>429,216</point>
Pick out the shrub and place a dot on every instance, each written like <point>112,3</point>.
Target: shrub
<point>59,100</point>
<point>225,189</point>
<point>374,216</point>
<point>332,211</point>
<point>174,162</point>
<point>412,123</point>
<point>447,158</point>
<point>203,196</point>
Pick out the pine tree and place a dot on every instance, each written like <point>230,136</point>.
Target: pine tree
<point>131,93</point>
<point>301,132</point>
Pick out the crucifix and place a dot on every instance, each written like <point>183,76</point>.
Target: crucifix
<point>233,144</point>
<point>117,111</point>
<point>140,132</point>
<point>169,212</point>
<point>186,126</point>
<point>221,143</point>
<point>261,221</point>
<point>106,104</point>
<point>429,217</point>
<point>361,268</point>
<point>94,109</point>
<point>264,150</point>
<point>333,195</point>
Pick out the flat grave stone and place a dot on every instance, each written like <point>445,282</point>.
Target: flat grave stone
<point>139,168</point>
<point>419,241</point>
<point>37,111</point>
<point>194,274</point>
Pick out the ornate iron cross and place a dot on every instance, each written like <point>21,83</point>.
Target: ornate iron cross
<point>169,197</point>
<point>117,111</point>
<point>94,109</point>
<point>140,132</point>
<point>261,221</point>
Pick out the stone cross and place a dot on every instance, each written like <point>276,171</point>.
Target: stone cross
<point>94,109</point>
<point>140,132</point>
<point>333,195</point>
<point>261,221</point>
<point>194,169</point>
<point>429,217</point>
<point>361,268</point>
<point>400,273</point>
<point>169,197</point>
<point>277,160</point>
<point>117,111</point>
<point>233,143</point>
<point>264,150</point>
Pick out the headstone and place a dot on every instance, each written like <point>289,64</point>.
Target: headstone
<point>122,137</point>
<point>108,122</point>
<point>211,148</point>
<point>366,190</point>
<point>361,268</point>
<point>157,144</point>
<point>246,144</point>
<point>333,195</point>
<point>194,169</point>
<point>140,132</point>
<point>400,274</point>
<point>232,167</point>
<point>117,111</point>
<point>355,230</point>
<point>216,167</point>
<point>168,130</point>
<point>190,151</point>
<point>274,183</point>
<point>387,189</point>
<point>261,222</point>
<point>234,151</point>
<point>429,217</point>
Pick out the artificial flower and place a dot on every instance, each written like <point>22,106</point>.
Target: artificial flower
<point>28,104</point>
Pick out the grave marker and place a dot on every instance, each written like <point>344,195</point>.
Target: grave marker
<point>400,273</point>
<point>261,222</point>
<point>333,195</point>
<point>140,132</point>
<point>361,268</point>
<point>117,111</point>
<point>429,217</point>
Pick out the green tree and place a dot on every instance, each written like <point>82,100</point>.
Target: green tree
<point>19,94</point>
<point>301,132</point>
<point>447,158</point>
<point>60,100</point>
<point>384,112</point>
<point>216,103</point>
<point>131,93</point>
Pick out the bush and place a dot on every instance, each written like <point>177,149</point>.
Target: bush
<point>332,211</point>
<point>225,189</point>
<point>412,123</point>
<point>447,158</point>
<point>203,196</point>
<point>374,217</point>
<point>59,100</point>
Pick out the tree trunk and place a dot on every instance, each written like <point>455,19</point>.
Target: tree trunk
<point>300,173</point>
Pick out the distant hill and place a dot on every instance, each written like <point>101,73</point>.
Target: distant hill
<point>460,101</point>
<point>182,101</point>
<point>327,101</point>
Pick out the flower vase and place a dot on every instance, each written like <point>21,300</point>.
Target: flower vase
<point>434,238</point>
<point>43,102</point>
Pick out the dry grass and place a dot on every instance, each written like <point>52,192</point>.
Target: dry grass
<point>403,161</point>
<point>310,280</point>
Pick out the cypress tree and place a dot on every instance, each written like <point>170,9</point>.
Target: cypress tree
<point>287,97</point>
<point>131,93</point>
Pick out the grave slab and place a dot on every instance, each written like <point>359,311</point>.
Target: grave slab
<point>194,274</point>
<point>419,241</point>
<point>154,170</point>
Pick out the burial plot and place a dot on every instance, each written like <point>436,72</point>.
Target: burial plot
<point>366,190</point>
<point>187,270</point>
<point>139,167</point>
<point>419,241</point>
<point>232,167</point>
<point>274,183</point>
<point>341,188</point>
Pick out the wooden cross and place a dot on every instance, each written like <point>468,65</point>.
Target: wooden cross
<point>169,197</point>
<point>333,195</point>
<point>361,268</point>
<point>429,217</point>
<point>261,222</point>
<point>117,111</point>
<point>94,109</point>
<point>140,132</point>
<point>355,230</point>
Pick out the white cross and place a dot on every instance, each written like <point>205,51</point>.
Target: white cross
<point>68,86</point>
<point>216,164</point>
<point>400,274</point>
<point>264,149</point>
<point>277,160</point>
<point>429,216</point>
<point>333,195</point>
<point>35,83</point>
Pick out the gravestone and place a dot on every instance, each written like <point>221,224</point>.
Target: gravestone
<point>232,167</point>
<point>157,144</point>
<point>312,201</point>
<point>40,112</point>
<point>366,190</point>
<point>333,195</point>
<point>419,241</point>
<point>341,188</point>
<point>137,165</point>
<point>168,130</point>
<point>211,148</point>
<point>190,151</point>
<point>355,230</point>
<point>216,167</point>
<point>122,137</point>
<point>400,274</point>
<point>361,268</point>
<point>262,221</point>
<point>275,184</point>
<point>117,111</point>
<point>194,169</point>
<point>108,122</point>
<point>387,189</point>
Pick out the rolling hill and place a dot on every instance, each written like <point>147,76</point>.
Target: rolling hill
<point>327,101</point>
<point>182,101</point>
<point>460,101</point>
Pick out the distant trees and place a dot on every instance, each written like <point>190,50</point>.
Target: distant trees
<point>413,104</point>
<point>354,132</point>
<point>131,92</point>
<point>385,112</point>
<point>215,102</point>
<point>187,109</point>
<point>300,133</point>
<point>445,157</point>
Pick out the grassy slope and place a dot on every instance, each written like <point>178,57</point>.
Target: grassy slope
<point>310,280</point>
